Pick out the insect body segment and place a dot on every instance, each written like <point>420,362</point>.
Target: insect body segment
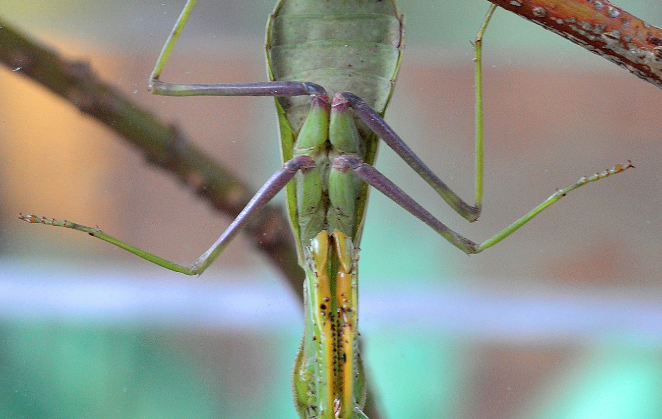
<point>327,373</point>
<point>342,46</point>
<point>328,379</point>
<point>326,197</point>
<point>327,369</point>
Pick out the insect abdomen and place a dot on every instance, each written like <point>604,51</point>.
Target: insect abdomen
<point>341,45</point>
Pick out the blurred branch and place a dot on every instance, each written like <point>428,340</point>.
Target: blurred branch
<point>163,145</point>
<point>601,28</point>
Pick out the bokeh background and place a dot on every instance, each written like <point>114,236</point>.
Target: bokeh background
<point>561,320</point>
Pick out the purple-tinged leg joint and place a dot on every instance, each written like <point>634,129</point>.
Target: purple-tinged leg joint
<point>374,178</point>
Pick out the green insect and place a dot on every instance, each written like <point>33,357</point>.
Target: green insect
<point>332,66</point>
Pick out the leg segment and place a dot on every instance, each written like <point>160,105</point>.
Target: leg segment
<point>377,124</point>
<point>374,178</point>
<point>380,182</point>
<point>275,183</point>
<point>386,133</point>
<point>275,88</point>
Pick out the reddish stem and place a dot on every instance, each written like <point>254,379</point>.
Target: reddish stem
<point>601,28</point>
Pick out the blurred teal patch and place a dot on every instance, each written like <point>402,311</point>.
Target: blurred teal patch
<point>55,370</point>
<point>416,375</point>
<point>405,249</point>
<point>617,383</point>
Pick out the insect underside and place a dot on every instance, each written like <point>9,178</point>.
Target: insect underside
<point>332,67</point>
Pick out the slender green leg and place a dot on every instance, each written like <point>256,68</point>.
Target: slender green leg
<point>171,41</point>
<point>374,178</point>
<point>478,92</point>
<point>275,183</point>
<point>380,182</point>
<point>274,88</point>
<point>391,138</point>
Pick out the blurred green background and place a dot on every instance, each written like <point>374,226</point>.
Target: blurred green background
<point>562,320</point>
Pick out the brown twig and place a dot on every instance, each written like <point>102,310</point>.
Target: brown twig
<point>163,145</point>
<point>601,28</point>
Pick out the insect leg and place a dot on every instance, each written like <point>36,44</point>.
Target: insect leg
<point>275,183</point>
<point>380,182</point>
